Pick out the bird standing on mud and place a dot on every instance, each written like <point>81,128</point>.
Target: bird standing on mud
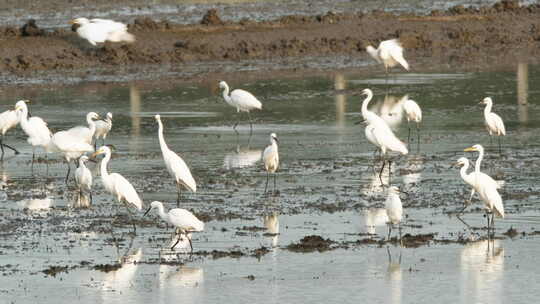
<point>494,123</point>
<point>36,128</point>
<point>413,113</point>
<point>103,127</point>
<point>271,159</point>
<point>175,165</point>
<point>102,30</point>
<point>389,53</point>
<point>394,209</point>
<point>242,100</point>
<point>183,220</point>
<point>83,178</point>
<point>8,119</point>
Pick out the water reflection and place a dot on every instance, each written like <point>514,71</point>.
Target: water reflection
<point>413,170</point>
<point>180,276</point>
<point>35,203</point>
<point>135,109</point>
<point>394,274</point>
<point>241,158</point>
<point>341,100</point>
<point>482,267</point>
<point>374,217</point>
<point>121,280</point>
<point>271,222</point>
<point>390,109</point>
<point>522,92</point>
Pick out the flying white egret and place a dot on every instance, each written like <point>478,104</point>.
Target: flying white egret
<point>103,127</point>
<point>83,132</point>
<point>389,53</point>
<point>242,100</point>
<point>183,220</point>
<point>71,145</point>
<point>271,159</point>
<point>102,30</point>
<point>413,113</point>
<point>379,133</point>
<point>175,165</point>
<point>394,209</point>
<point>38,133</point>
<point>494,123</point>
<point>83,178</point>
<point>117,185</point>
<point>8,120</point>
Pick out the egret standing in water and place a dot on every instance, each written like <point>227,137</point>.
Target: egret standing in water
<point>117,185</point>
<point>183,220</point>
<point>389,53</point>
<point>394,209</point>
<point>36,128</point>
<point>494,123</point>
<point>101,30</point>
<point>242,100</point>
<point>175,165</point>
<point>83,178</point>
<point>103,127</point>
<point>271,159</point>
<point>413,113</point>
<point>86,133</point>
<point>8,120</point>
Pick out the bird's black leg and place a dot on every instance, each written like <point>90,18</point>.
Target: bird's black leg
<point>274,183</point>
<point>2,147</point>
<point>418,138</point>
<point>389,172</point>
<point>178,190</point>
<point>267,177</point>
<point>250,124</point>
<point>190,243</point>
<point>69,169</point>
<point>409,134</point>
<point>389,231</point>
<point>380,172</point>
<point>177,241</point>
<point>500,150</point>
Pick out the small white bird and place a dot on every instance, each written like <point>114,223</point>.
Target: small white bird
<point>242,100</point>
<point>36,128</point>
<point>83,132</point>
<point>175,165</point>
<point>494,123</point>
<point>183,220</point>
<point>389,53</point>
<point>413,113</point>
<point>83,178</point>
<point>394,209</point>
<point>271,159</point>
<point>103,127</point>
<point>8,119</point>
<point>117,185</point>
<point>102,30</point>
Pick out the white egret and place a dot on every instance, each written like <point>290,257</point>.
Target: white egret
<point>494,123</point>
<point>83,132</point>
<point>183,220</point>
<point>379,133</point>
<point>394,209</point>
<point>8,120</point>
<point>413,113</point>
<point>71,145</point>
<point>242,100</point>
<point>36,128</point>
<point>175,165</point>
<point>271,159</point>
<point>103,127</point>
<point>102,30</point>
<point>389,53</point>
<point>83,178</point>
<point>117,185</point>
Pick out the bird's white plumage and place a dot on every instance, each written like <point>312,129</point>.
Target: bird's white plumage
<point>103,127</point>
<point>8,119</point>
<point>242,100</point>
<point>84,133</point>
<point>389,53</point>
<point>271,155</point>
<point>116,184</point>
<point>69,144</point>
<point>36,128</point>
<point>494,122</point>
<point>412,110</point>
<point>394,208</point>
<point>102,30</point>
<point>179,218</point>
<point>175,164</point>
<point>83,176</point>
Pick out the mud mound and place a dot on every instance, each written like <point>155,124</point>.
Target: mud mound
<point>211,18</point>
<point>311,243</point>
<point>30,28</point>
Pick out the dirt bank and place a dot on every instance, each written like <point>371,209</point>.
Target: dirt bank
<point>500,33</point>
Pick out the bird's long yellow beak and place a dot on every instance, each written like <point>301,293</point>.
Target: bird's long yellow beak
<point>470,149</point>
<point>72,21</point>
<point>95,154</point>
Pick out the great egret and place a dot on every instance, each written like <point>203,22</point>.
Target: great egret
<point>83,178</point>
<point>472,179</point>
<point>175,165</point>
<point>394,209</point>
<point>271,159</point>
<point>71,144</point>
<point>184,221</point>
<point>38,133</point>
<point>102,30</point>
<point>242,100</point>
<point>86,133</point>
<point>389,53</point>
<point>379,133</point>
<point>413,113</point>
<point>8,120</point>
<point>103,127</point>
<point>117,185</point>
<point>494,123</point>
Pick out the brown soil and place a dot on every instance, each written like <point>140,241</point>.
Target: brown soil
<point>460,36</point>
<point>311,243</point>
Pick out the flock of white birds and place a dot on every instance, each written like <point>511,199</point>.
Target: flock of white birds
<point>74,143</point>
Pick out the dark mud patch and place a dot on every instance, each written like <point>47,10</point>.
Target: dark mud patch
<point>54,270</point>
<point>312,243</point>
<point>107,267</point>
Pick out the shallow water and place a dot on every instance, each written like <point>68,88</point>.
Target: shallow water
<point>326,186</point>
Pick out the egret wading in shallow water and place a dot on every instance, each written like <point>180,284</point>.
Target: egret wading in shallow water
<point>8,119</point>
<point>379,133</point>
<point>83,178</point>
<point>242,100</point>
<point>414,114</point>
<point>394,209</point>
<point>103,127</point>
<point>494,123</point>
<point>175,165</point>
<point>184,221</point>
<point>117,185</point>
<point>36,128</point>
<point>487,189</point>
<point>101,30</point>
<point>389,53</point>
<point>271,159</point>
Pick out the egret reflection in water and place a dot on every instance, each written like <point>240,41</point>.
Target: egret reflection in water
<point>390,109</point>
<point>394,274</point>
<point>242,158</point>
<point>271,222</point>
<point>373,218</point>
<point>121,279</point>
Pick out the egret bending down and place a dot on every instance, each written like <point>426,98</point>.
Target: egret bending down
<point>271,159</point>
<point>242,100</point>
<point>494,123</point>
<point>389,53</point>
<point>175,165</point>
<point>101,30</point>
<point>394,209</point>
<point>184,221</point>
<point>103,127</point>
<point>8,120</point>
<point>413,113</point>
<point>83,178</point>
<point>36,128</point>
<point>71,145</point>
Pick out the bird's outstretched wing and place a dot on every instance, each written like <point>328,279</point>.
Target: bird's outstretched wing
<point>393,49</point>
